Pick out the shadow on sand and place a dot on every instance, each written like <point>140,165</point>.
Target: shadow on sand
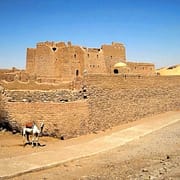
<point>34,145</point>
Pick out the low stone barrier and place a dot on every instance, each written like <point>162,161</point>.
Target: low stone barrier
<point>104,103</point>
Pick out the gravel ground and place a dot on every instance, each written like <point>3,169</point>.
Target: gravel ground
<point>155,156</point>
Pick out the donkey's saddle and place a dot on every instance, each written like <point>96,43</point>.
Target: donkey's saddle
<point>29,125</point>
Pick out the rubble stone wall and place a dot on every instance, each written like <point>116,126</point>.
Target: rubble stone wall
<point>117,100</point>
<point>110,101</point>
<point>60,119</point>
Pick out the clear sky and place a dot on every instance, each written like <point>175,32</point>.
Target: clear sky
<point>150,29</point>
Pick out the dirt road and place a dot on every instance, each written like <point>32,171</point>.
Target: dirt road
<point>154,156</point>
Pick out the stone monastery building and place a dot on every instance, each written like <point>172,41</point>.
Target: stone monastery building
<point>66,62</point>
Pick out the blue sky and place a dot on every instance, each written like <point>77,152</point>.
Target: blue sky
<point>150,29</point>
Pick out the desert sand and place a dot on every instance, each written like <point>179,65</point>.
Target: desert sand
<point>169,71</point>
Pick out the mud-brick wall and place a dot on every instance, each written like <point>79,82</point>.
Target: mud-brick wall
<point>61,119</point>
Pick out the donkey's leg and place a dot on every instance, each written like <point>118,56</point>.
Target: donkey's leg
<point>37,139</point>
<point>27,137</point>
<point>24,136</point>
<point>33,140</point>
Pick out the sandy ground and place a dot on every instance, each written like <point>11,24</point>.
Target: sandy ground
<point>155,156</point>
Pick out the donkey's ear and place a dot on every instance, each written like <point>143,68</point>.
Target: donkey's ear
<point>42,124</point>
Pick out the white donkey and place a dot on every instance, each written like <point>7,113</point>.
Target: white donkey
<point>32,129</point>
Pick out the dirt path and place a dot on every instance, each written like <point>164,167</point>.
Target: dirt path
<point>155,155</point>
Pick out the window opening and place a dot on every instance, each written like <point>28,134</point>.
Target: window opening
<point>116,71</point>
<point>54,48</point>
<point>77,72</point>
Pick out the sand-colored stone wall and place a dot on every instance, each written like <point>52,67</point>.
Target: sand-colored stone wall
<point>30,61</point>
<point>111,101</point>
<point>115,51</point>
<point>66,62</point>
<point>94,61</point>
<point>146,69</point>
<point>33,85</point>
<point>116,100</point>
<point>61,119</point>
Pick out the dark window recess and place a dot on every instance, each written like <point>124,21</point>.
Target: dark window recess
<point>77,72</point>
<point>116,71</point>
<point>54,48</point>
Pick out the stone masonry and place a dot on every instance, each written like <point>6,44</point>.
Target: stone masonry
<point>107,101</point>
<point>50,61</point>
<point>78,90</point>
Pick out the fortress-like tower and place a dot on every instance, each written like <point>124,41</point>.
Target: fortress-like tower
<point>65,62</point>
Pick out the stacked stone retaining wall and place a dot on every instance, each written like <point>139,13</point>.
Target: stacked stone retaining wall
<point>61,119</point>
<point>116,100</point>
<point>110,101</point>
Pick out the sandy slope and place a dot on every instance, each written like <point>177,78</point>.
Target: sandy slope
<point>168,71</point>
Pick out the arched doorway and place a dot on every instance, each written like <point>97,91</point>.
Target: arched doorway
<point>116,71</point>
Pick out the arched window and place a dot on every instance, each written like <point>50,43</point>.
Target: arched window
<point>116,71</point>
